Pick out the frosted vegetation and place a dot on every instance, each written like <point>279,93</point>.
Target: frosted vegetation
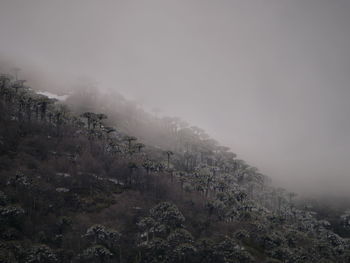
<point>98,179</point>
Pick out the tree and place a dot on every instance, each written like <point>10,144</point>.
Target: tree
<point>105,242</point>
<point>43,103</point>
<point>5,79</point>
<point>182,252</point>
<point>41,254</point>
<point>11,215</point>
<point>101,117</point>
<point>229,251</point>
<point>148,165</point>
<point>206,176</point>
<point>99,234</point>
<point>97,252</point>
<point>181,243</point>
<point>166,239</point>
<point>156,251</point>
<point>90,117</point>
<point>149,228</point>
<point>345,218</point>
<point>167,214</point>
<point>162,220</point>
<point>169,153</point>
<point>129,139</point>
<point>3,198</point>
<point>18,84</point>
<point>205,250</point>
<point>139,146</point>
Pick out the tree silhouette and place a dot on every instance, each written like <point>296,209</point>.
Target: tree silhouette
<point>129,139</point>
<point>169,154</point>
<point>101,117</point>
<point>90,117</point>
<point>139,146</point>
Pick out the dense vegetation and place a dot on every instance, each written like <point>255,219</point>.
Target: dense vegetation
<point>78,185</point>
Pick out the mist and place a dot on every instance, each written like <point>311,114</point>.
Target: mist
<point>269,79</point>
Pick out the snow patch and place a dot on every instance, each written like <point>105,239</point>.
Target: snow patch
<point>53,96</point>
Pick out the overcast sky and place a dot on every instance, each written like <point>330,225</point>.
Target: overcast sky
<point>269,78</point>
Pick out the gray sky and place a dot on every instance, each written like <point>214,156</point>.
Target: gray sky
<point>269,78</point>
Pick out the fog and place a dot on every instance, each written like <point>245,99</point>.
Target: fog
<point>267,78</point>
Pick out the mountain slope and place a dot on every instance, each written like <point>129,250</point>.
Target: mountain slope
<point>78,186</point>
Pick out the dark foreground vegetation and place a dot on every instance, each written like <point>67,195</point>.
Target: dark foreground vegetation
<point>77,185</point>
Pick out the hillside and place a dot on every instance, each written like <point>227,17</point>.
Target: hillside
<point>98,179</point>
